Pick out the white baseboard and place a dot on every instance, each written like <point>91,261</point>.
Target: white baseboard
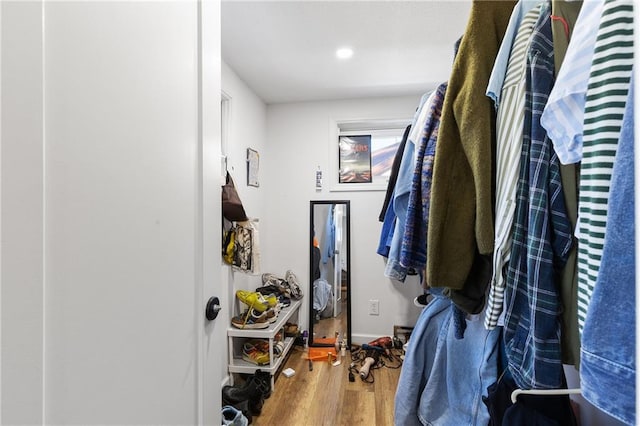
<point>360,339</point>
<point>225,381</point>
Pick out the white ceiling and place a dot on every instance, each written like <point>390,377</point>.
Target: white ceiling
<point>285,50</point>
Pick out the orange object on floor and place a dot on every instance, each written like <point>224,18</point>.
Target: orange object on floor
<point>322,354</point>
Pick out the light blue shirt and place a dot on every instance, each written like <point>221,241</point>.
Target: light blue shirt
<point>563,116</point>
<point>499,71</point>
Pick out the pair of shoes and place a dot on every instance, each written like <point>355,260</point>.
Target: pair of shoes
<point>232,416</point>
<point>249,393</point>
<point>253,299</point>
<point>278,348</point>
<point>422,300</point>
<point>256,351</point>
<point>290,330</point>
<point>232,408</point>
<point>252,320</point>
<point>262,380</point>
<point>293,284</point>
<point>272,314</point>
<point>269,279</point>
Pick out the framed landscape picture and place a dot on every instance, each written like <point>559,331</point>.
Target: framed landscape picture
<point>354,164</point>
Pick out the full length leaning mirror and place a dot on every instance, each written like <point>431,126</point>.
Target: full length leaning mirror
<point>330,271</point>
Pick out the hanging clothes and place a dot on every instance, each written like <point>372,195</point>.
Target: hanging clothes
<point>414,242</point>
<point>390,217</point>
<point>443,379</point>
<point>541,235</point>
<point>460,229</point>
<point>499,70</point>
<point>394,268</point>
<point>329,241</point>
<point>563,116</point>
<point>563,18</point>
<point>608,370</point>
<point>393,177</point>
<point>604,109</point>
<point>510,125</point>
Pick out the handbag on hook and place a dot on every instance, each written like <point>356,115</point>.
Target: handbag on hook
<point>232,208</point>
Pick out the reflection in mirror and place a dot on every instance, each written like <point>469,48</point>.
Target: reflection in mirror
<point>330,272</point>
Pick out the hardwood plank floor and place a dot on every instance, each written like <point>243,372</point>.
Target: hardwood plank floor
<point>325,396</point>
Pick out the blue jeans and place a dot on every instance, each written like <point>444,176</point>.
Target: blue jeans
<point>443,378</point>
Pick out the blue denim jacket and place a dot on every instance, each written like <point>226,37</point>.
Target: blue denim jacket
<point>608,353</point>
<point>443,378</point>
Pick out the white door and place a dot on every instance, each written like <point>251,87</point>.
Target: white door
<point>110,212</point>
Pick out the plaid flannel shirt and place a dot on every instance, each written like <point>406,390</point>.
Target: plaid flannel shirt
<point>541,235</point>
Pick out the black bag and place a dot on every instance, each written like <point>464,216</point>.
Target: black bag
<point>232,208</point>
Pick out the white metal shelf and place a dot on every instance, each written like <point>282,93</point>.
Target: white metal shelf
<point>239,365</point>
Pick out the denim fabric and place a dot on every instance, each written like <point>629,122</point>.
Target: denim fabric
<point>400,202</point>
<point>232,416</point>
<point>608,369</point>
<point>386,234</point>
<point>420,358</point>
<point>390,218</point>
<point>443,378</point>
<point>329,237</point>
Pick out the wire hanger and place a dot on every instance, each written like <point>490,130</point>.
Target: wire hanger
<point>515,393</point>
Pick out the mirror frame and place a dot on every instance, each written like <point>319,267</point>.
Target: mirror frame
<point>347,204</point>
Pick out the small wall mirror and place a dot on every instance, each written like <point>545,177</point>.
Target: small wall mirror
<point>330,271</point>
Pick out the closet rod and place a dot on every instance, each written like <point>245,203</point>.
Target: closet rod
<point>515,393</point>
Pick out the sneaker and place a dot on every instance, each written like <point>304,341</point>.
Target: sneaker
<point>256,351</point>
<point>294,285</point>
<point>253,299</point>
<point>272,315</point>
<point>278,348</point>
<point>271,279</point>
<point>251,320</point>
<point>422,300</point>
<point>233,416</point>
<point>290,329</point>
<point>269,289</point>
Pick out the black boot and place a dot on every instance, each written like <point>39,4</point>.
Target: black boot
<point>248,392</point>
<point>263,381</point>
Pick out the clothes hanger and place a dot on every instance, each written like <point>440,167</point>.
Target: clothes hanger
<point>515,393</point>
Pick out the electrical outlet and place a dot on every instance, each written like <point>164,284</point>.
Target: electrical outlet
<point>374,307</point>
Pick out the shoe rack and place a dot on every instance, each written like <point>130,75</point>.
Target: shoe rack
<point>238,336</point>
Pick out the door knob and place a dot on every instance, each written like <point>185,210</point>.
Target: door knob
<point>212,309</point>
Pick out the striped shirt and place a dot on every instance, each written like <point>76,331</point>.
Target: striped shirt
<point>604,110</point>
<point>509,125</point>
<point>563,115</point>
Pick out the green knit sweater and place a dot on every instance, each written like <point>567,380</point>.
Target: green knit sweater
<point>461,216</point>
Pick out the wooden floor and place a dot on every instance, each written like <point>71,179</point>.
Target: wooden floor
<point>325,396</point>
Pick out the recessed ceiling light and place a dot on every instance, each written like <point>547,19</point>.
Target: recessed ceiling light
<point>344,53</point>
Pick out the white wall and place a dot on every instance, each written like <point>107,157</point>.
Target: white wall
<point>298,138</point>
<point>246,128</point>
<point>21,221</point>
